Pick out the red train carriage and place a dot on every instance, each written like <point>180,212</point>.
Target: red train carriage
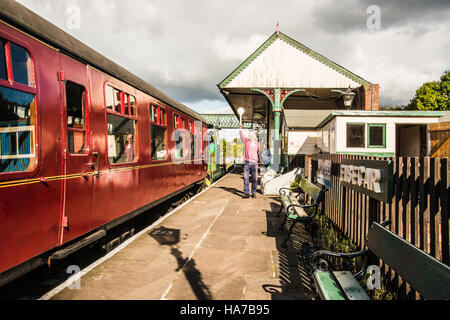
<point>84,144</point>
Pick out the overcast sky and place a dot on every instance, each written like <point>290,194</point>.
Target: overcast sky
<point>186,47</point>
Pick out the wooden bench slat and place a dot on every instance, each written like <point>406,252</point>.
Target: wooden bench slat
<point>350,286</point>
<point>296,212</point>
<point>310,188</point>
<point>427,275</point>
<point>327,286</point>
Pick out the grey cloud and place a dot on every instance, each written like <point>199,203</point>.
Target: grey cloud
<point>185,48</point>
<point>347,16</point>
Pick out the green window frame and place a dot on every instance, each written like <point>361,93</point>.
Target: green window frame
<point>369,135</point>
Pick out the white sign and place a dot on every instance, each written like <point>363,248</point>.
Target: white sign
<point>367,178</point>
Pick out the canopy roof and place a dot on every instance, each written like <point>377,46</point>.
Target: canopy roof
<point>224,121</point>
<point>281,62</point>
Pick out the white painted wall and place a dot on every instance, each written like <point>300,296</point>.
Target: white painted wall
<point>341,131</point>
<point>302,141</point>
<point>327,137</point>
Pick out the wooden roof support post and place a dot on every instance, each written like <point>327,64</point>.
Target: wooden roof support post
<point>277,97</point>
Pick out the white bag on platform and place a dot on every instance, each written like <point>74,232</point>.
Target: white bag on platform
<point>271,182</point>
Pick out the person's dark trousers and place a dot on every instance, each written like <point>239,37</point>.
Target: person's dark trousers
<point>250,168</point>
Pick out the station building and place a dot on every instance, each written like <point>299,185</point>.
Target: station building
<point>306,103</point>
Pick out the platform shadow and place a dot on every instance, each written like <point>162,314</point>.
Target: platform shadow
<point>293,273</point>
<point>232,190</point>
<point>171,237</point>
<point>192,274</point>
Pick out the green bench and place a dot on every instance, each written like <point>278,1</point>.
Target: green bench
<point>295,212</point>
<point>427,275</point>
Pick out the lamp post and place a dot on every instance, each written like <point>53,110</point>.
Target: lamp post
<point>347,96</point>
<point>277,97</point>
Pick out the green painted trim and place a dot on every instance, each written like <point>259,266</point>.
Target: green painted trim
<point>293,91</point>
<point>298,46</point>
<point>264,93</point>
<point>368,135</point>
<point>369,154</point>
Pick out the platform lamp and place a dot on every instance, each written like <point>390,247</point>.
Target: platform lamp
<point>347,96</point>
<point>241,112</point>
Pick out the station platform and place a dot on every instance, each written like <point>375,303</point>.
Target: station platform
<point>227,248</point>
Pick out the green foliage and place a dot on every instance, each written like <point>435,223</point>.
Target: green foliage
<point>328,237</point>
<point>382,294</point>
<point>294,185</point>
<point>433,95</point>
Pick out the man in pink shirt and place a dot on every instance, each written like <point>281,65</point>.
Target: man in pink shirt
<point>251,154</point>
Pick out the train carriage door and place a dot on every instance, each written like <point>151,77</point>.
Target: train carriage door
<point>79,162</point>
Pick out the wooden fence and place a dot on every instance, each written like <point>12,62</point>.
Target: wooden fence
<point>419,211</point>
<point>439,139</point>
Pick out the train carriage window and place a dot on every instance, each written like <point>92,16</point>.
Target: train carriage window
<point>109,96</point>
<point>17,131</point>
<point>192,133</point>
<point>121,139</point>
<point>158,132</point>
<point>132,106</point>
<point>21,65</point>
<point>3,74</point>
<point>158,141</point>
<point>122,126</point>
<point>76,117</point>
<point>179,137</point>
<point>117,100</point>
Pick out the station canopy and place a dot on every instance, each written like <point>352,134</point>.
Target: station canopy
<point>281,62</point>
<point>224,121</point>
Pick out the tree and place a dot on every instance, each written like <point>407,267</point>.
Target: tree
<point>433,95</point>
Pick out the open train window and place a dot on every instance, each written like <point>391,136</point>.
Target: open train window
<point>158,132</point>
<point>121,139</point>
<point>17,130</point>
<point>76,117</point>
<point>121,126</point>
<point>179,137</point>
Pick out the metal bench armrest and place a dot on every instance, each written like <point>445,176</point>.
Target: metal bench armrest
<point>322,265</point>
<point>290,189</point>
